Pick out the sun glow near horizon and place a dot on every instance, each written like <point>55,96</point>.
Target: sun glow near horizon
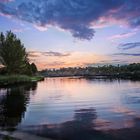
<point>50,60</point>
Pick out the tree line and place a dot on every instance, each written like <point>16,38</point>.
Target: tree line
<point>119,71</point>
<point>13,56</point>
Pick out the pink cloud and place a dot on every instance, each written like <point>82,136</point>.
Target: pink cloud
<point>6,1</point>
<point>41,28</point>
<point>5,15</point>
<point>121,36</point>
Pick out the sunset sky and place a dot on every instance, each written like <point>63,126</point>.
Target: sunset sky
<point>68,33</point>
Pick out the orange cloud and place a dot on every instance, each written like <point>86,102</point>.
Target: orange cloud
<point>49,60</point>
<point>58,60</point>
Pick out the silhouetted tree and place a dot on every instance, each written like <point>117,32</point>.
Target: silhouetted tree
<point>12,53</point>
<point>30,69</point>
<point>33,68</point>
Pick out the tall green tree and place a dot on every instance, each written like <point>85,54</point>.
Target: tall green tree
<point>13,55</point>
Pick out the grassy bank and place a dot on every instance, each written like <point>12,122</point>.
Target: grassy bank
<point>17,79</point>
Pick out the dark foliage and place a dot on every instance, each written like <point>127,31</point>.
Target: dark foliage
<point>13,56</point>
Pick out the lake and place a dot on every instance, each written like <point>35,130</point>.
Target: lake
<point>73,109</point>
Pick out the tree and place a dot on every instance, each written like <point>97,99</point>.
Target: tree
<point>12,53</point>
<point>33,68</point>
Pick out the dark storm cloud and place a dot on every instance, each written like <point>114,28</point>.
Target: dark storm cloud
<point>127,46</point>
<point>76,16</point>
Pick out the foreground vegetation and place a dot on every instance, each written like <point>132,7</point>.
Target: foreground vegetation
<point>131,71</point>
<point>15,65</point>
<point>17,79</point>
<point>13,56</point>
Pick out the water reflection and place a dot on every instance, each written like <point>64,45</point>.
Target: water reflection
<point>13,103</point>
<point>80,128</point>
<point>83,127</point>
<point>73,108</point>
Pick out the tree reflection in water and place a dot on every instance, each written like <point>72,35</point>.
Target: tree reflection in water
<point>13,104</point>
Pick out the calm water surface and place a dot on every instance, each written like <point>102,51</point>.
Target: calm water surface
<point>73,108</point>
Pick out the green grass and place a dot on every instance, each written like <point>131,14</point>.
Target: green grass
<point>15,79</point>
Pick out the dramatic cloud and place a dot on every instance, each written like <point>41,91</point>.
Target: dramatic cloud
<point>127,46</point>
<point>75,16</point>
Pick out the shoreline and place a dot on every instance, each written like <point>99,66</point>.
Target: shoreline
<point>6,80</point>
<point>97,77</point>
